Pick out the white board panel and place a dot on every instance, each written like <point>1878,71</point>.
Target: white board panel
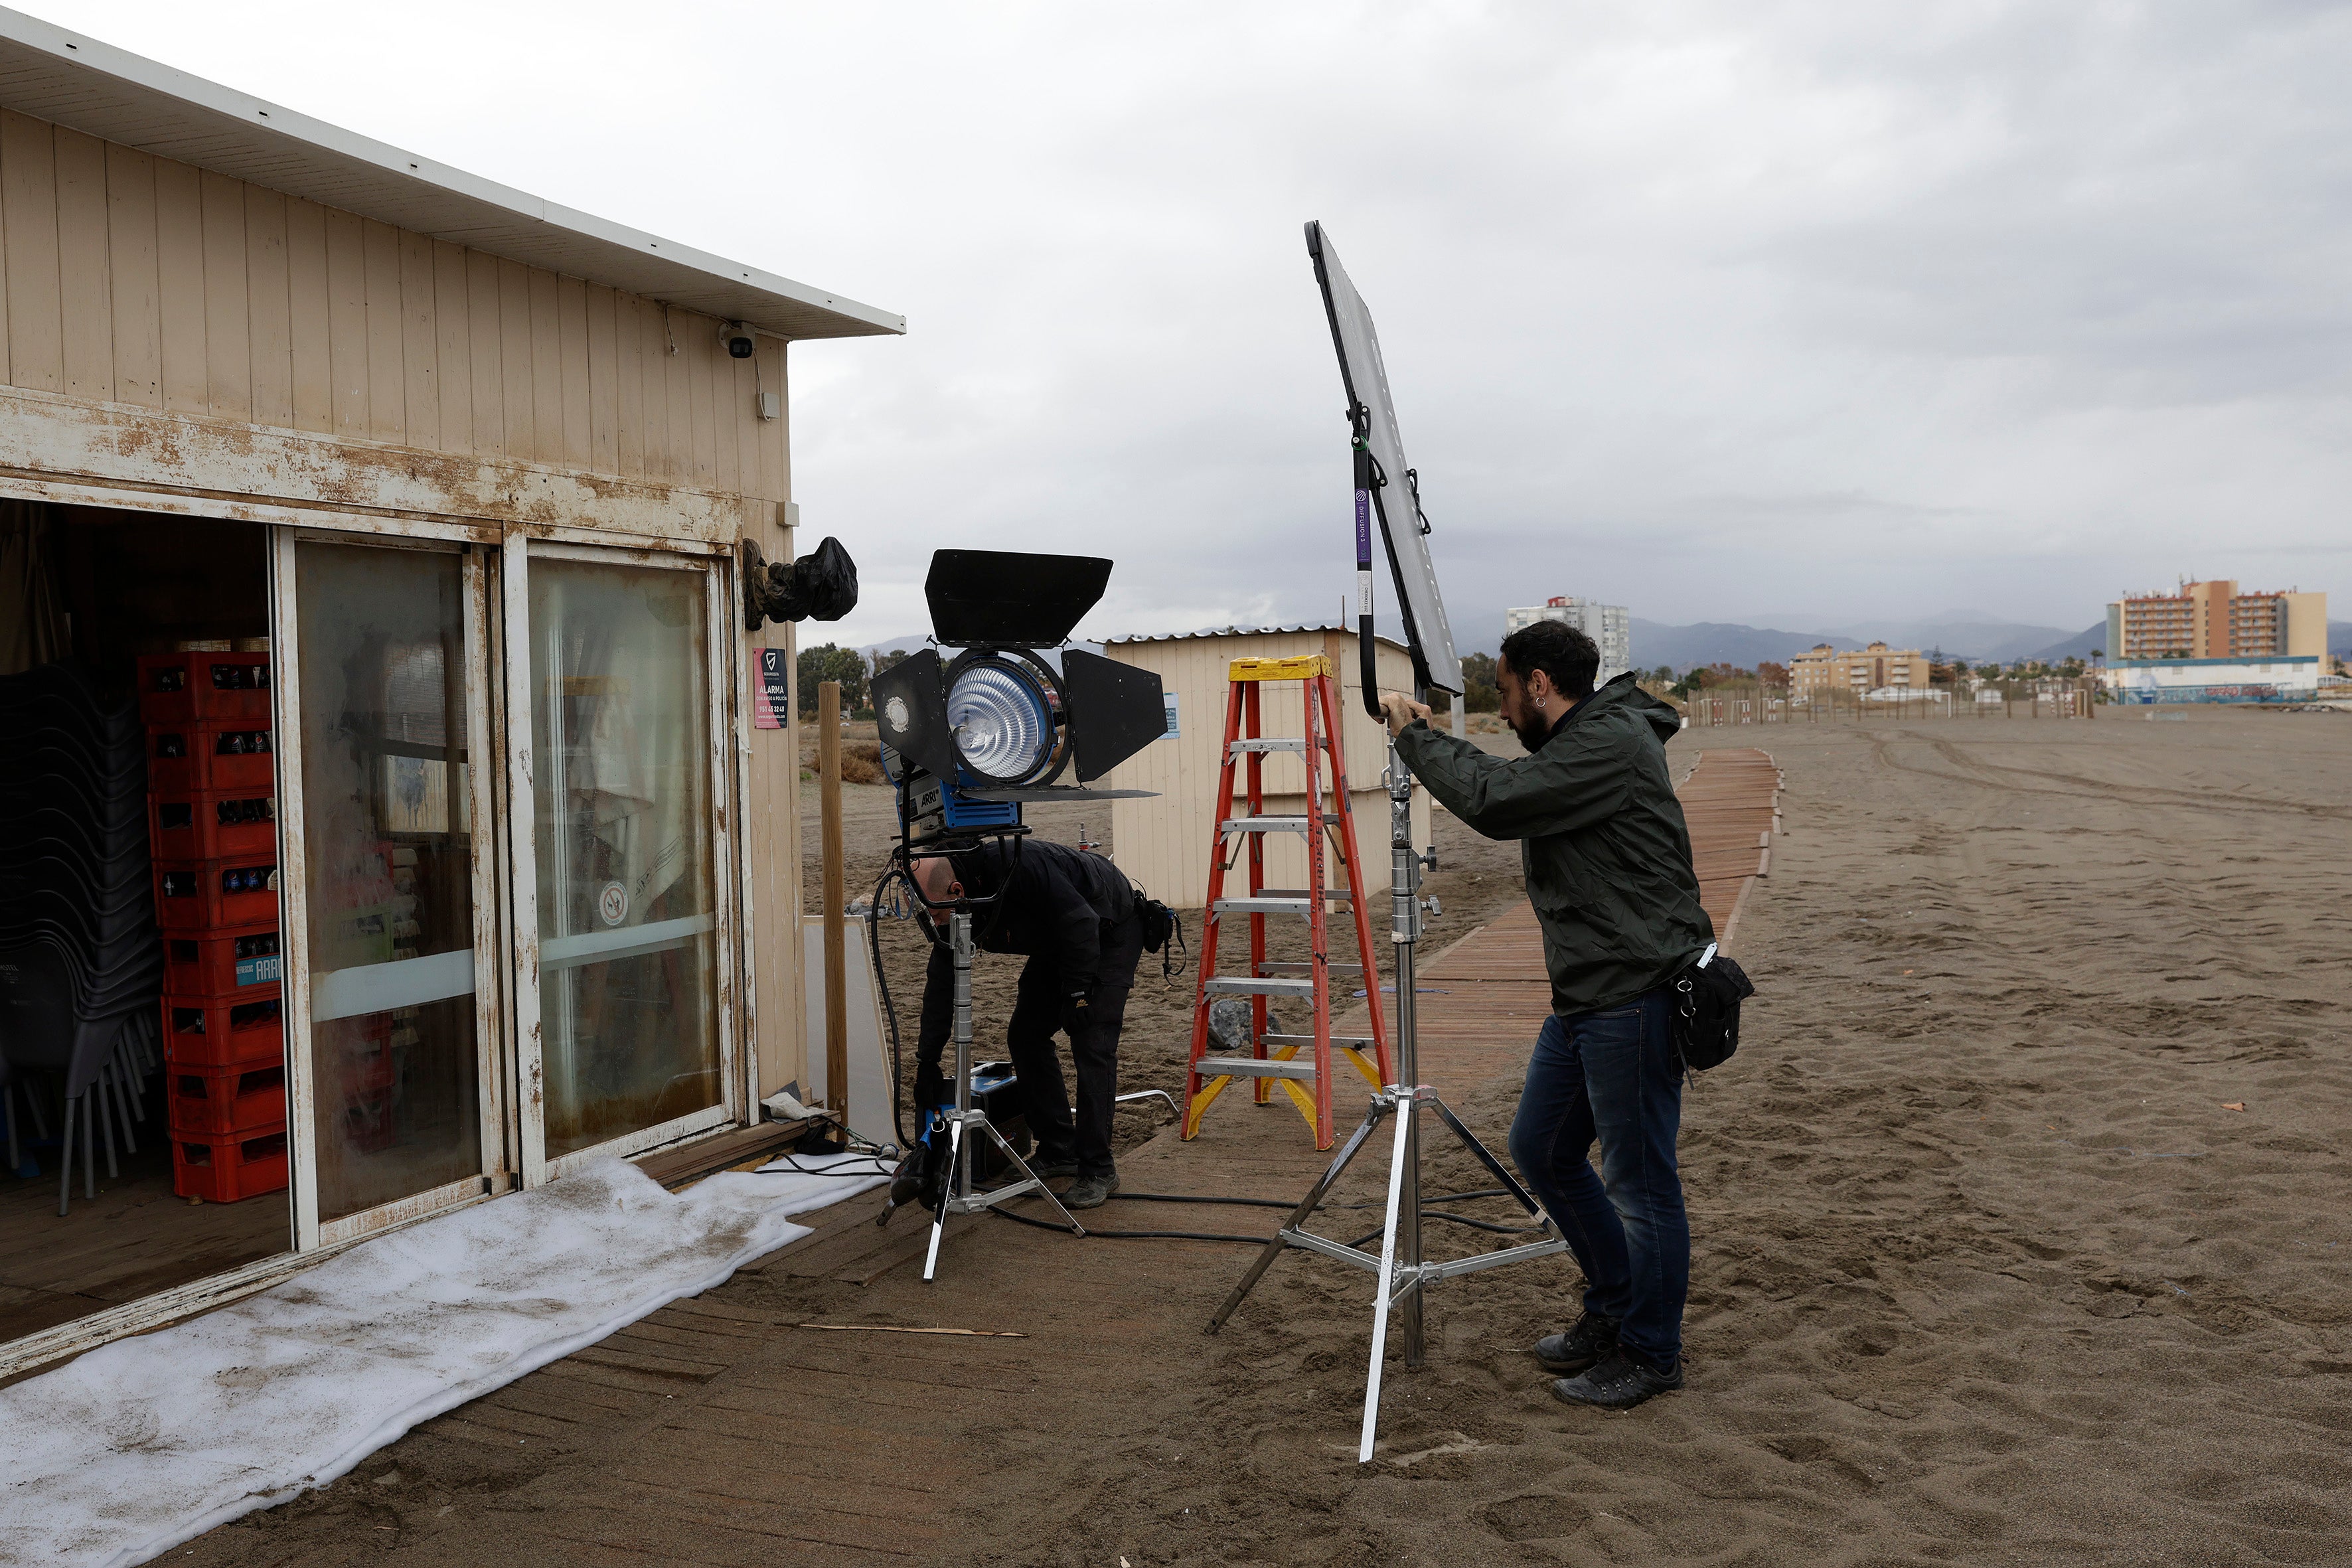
<point>869,1072</point>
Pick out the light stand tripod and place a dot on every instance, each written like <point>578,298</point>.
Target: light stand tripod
<point>967,1121</point>
<point>1403,1276</point>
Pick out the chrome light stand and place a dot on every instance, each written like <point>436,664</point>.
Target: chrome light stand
<point>967,1121</point>
<point>1403,1276</point>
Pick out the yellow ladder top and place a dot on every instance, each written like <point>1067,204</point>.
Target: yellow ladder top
<point>1298,669</point>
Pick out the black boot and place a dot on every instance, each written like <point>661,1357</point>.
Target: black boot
<point>1090,1192</point>
<point>1594,1339</point>
<point>1619,1382</point>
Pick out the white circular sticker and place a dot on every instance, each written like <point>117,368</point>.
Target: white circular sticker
<point>895,711</point>
<point>612,903</point>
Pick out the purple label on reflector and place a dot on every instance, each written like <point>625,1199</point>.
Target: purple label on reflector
<point>1363,527</point>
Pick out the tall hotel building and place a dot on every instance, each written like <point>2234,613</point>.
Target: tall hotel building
<point>2209,643</point>
<point>2213,620</point>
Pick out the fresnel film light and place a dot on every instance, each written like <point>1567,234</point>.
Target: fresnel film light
<point>969,740</point>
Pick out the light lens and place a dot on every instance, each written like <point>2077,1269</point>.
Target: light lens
<point>1003,726</point>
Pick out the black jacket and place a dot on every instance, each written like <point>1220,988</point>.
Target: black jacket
<point>1608,856</point>
<point>1056,908</point>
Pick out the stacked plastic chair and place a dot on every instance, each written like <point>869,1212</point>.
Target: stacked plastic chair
<point>81,961</point>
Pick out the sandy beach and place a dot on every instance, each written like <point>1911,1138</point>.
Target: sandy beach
<point>1989,1266</point>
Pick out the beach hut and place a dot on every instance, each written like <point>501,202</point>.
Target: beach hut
<point>1163,842</point>
<point>378,529</point>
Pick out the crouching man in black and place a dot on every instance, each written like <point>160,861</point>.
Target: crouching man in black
<point>1075,916</point>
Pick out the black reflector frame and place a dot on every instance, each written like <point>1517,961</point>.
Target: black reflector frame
<point>1116,711</point>
<point>911,713</point>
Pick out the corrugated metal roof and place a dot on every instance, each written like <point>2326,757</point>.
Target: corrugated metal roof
<point>95,88</point>
<point>1243,632</point>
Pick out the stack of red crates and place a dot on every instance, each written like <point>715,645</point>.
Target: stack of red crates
<point>211,818</point>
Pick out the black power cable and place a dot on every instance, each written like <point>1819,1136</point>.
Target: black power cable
<point>889,1013</point>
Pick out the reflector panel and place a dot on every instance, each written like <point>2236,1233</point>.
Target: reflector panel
<point>1366,382</point>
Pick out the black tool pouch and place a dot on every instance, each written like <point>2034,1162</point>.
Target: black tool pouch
<point>1163,929</point>
<point>1704,998</point>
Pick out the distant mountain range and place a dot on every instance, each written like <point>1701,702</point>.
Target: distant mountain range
<point>1712,642</point>
<point>1982,639</point>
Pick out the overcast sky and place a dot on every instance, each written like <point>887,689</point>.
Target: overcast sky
<point>1790,314</point>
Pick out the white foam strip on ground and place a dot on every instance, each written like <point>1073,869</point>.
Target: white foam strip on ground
<point>148,1442</point>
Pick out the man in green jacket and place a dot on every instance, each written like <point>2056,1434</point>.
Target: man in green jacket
<point>1608,865</point>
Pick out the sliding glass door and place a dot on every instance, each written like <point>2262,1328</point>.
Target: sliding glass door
<point>497,971</point>
<point>394,1023</point>
<point>619,654</point>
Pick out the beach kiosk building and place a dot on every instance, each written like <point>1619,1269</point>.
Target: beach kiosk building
<point>1163,841</point>
<point>407,509</point>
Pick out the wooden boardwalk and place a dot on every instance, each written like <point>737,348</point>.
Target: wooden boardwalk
<point>721,1430</point>
<point>1732,802</point>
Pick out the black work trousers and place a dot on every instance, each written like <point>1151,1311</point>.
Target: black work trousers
<point>1042,1005</point>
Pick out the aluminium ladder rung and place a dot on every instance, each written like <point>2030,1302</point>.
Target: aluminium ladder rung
<point>1244,985</point>
<point>1361,1042</point>
<point>1261,905</point>
<point>1340,894</point>
<point>1292,744</point>
<point>1263,824</point>
<point>1253,1067</point>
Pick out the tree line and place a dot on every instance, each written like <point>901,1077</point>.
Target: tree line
<point>827,661</point>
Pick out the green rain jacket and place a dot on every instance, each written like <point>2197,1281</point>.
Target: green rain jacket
<point>1608,856</point>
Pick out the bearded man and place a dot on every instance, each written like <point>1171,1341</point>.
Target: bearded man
<point>1608,863</point>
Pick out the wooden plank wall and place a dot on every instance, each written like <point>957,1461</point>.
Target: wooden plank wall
<point>1163,843</point>
<point>133,280</point>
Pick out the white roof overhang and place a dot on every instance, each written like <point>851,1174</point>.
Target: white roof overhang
<point>52,74</point>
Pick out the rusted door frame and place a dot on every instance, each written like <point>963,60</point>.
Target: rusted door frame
<point>735,1044</point>
<point>310,1231</point>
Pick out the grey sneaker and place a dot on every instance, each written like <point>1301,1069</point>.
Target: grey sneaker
<point>1067,1166</point>
<point>1593,1339</point>
<point>1090,1192</point>
<point>1619,1382</point>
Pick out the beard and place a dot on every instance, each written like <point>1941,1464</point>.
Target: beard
<point>1532,731</point>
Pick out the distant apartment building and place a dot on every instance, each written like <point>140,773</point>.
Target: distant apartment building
<point>2213,620</point>
<point>2209,643</point>
<point>1859,671</point>
<point>1609,625</point>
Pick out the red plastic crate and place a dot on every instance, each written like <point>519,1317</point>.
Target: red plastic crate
<point>212,823</point>
<point>223,1032</point>
<point>212,1102</point>
<point>194,895</point>
<point>222,1169</point>
<point>201,756</point>
<point>209,966</point>
<point>174,688</point>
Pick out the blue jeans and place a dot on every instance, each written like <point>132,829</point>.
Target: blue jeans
<point>1611,1076</point>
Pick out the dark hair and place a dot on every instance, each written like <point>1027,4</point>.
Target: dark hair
<point>1560,650</point>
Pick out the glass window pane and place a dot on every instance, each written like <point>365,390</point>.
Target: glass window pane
<point>621,788</point>
<point>387,842</point>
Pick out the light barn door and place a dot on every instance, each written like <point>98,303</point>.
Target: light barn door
<point>390,882</point>
<point>614,664</point>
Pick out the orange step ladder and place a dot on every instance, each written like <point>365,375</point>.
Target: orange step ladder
<point>1275,1056</point>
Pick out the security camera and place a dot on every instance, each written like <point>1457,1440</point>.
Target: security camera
<point>736,336</point>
